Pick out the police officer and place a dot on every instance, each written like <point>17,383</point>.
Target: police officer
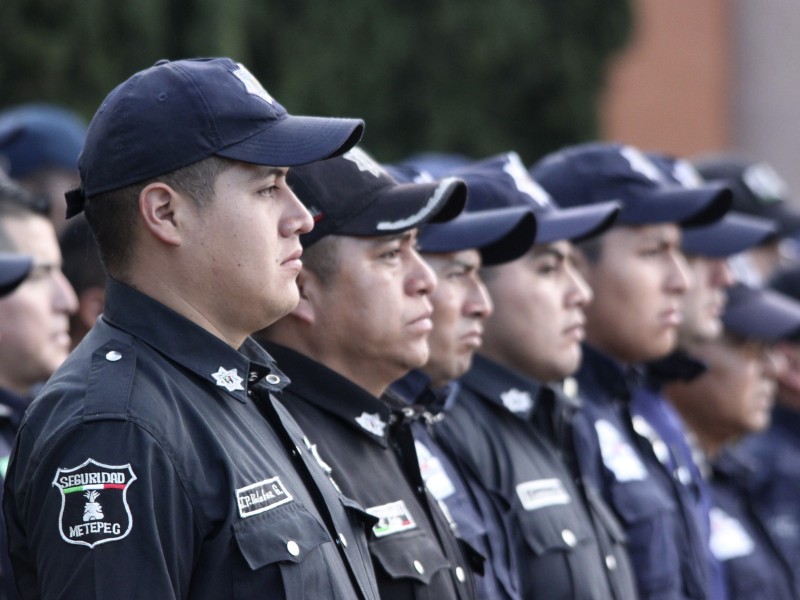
<point>707,250</point>
<point>509,424</point>
<point>639,277</point>
<point>733,398</point>
<point>157,462</point>
<point>456,251</point>
<point>362,322</point>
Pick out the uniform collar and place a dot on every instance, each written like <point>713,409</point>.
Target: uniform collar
<point>331,392</point>
<point>415,388</point>
<point>600,376</point>
<point>231,371</point>
<point>784,418</point>
<point>12,406</point>
<point>678,366</point>
<point>508,389</point>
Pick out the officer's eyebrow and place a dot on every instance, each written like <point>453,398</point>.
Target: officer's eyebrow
<point>259,172</point>
<point>540,251</point>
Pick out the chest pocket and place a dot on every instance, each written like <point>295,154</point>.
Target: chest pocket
<point>410,555</point>
<point>283,548</point>
<point>650,519</point>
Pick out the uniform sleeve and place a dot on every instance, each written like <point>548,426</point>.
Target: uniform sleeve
<point>99,513</point>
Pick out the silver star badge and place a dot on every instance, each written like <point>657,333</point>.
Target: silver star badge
<point>516,400</point>
<point>229,380</point>
<point>372,423</point>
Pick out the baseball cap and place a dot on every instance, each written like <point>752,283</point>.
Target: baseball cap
<point>761,314</point>
<point>757,188</point>
<point>502,181</point>
<point>39,136</point>
<point>734,233</point>
<point>14,268</point>
<point>177,113</point>
<point>595,172</point>
<point>355,196</point>
<point>787,281</point>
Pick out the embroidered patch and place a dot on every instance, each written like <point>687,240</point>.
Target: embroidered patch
<point>729,539</point>
<point>433,473</point>
<point>618,455</point>
<point>94,502</point>
<point>392,518</point>
<point>542,492</point>
<point>229,380</point>
<point>251,84</point>
<point>372,423</point>
<point>517,400</point>
<point>259,497</point>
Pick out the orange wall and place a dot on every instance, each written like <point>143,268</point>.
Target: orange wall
<point>670,89</point>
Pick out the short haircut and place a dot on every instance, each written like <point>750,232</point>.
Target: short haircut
<point>322,258</point>
<point>17,202</point>
<point>591,249</point>
<point>113,215</point>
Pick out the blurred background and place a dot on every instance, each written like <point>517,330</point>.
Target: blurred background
<point>462,76</point>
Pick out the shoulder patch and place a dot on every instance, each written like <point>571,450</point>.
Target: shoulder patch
<point>94,502</point>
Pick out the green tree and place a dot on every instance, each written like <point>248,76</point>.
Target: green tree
<point>465,76</point>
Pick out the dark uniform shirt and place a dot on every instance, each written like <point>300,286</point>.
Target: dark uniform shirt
<point>465,500</point>
<point>12,407</point>
<point>370,450</point>
<point>156,464</point>
<point>754,567</point>
<point>621,462</point>
<point>664,430</point>
<point>498,430</point>
<point>776,493</point>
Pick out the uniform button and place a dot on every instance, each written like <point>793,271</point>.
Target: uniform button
<point>611,562</point>
<point>343,540</point>
<point>293,548</point>
<point>113,356</point>
<point>460,574</point>
<point>273,379</point>
<point>418,566</point>
<point>569,538</point>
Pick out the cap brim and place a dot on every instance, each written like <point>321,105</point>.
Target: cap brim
<point>734,233</point>
<point>500,235</point>
<point>761,314</point>
<point>407,205</point>
<point>688,207</point>
<point>297,140</point>
<point>576,223</point>
<point>13,270</point>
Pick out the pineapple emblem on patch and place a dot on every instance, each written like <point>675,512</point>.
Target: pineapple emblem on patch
<point>94,502</point>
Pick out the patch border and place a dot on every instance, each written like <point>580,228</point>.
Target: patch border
<point>62,470</point>
<point>289,497</point>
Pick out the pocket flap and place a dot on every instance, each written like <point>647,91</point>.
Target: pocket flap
<point>409,554</point>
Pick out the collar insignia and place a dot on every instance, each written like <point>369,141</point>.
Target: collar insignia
<point>229,380</point>
<point>371,423</point>
<point>517,400</point>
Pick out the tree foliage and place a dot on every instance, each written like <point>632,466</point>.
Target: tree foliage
<point>464,76</point>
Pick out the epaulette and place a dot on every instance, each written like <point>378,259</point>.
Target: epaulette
<point>110,380</point>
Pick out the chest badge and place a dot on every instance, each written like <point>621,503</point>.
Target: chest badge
<point>372,423</point>
<point>229,380</point>
<point>94,503</point>
<point>393,517</point>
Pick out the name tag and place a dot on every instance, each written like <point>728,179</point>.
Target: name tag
<point>433,473</point>
<point>542,492</point>
<point>261,496</point>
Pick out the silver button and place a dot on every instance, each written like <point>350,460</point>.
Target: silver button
<point>460,574</point>
<point>293,548</point>
<point>661,451</point>
<point>611,562</point>
<point>569,538</point>
<point>273,379</point>
<point>418,566</point>
<point>113,356</point>
<point>343,540</point>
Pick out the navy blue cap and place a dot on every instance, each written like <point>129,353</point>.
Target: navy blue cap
<point>591,173</point>
<point>734,233</point>
<point>757,188</point>
<point>177,113</point>
<point>436,164</point>
<point>500,235</point>
<point>39,136</point>
<point>502,181</point>
<point>761,314</point>
<point>14,268</point>
<point>353,195</point>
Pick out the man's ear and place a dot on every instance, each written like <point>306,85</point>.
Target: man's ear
<point>309,286</point>
<point>163,209</point>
